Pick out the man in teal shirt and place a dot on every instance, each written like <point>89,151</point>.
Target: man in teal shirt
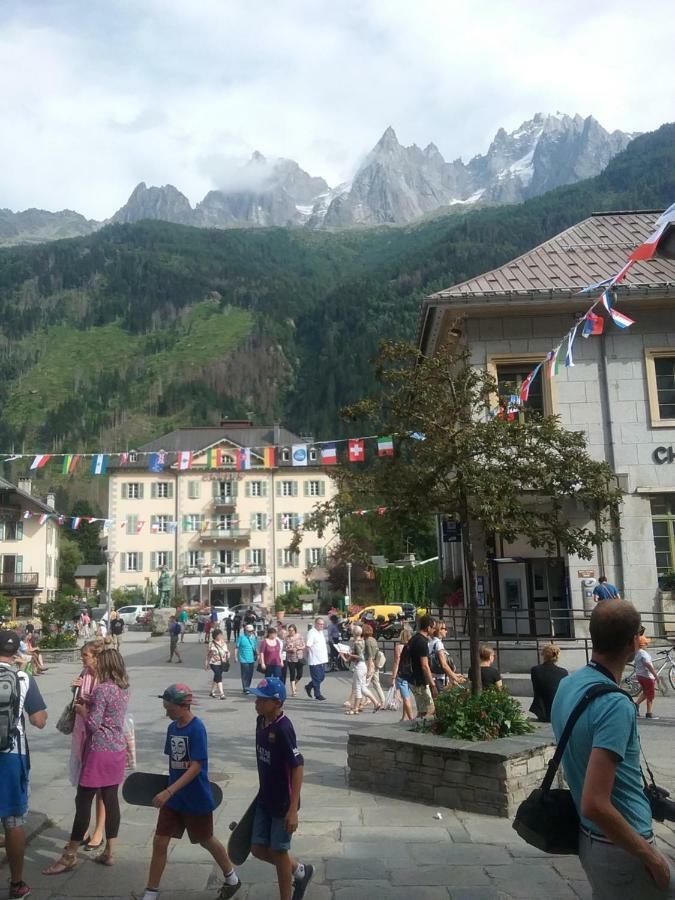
<point>602,767</point>
<point>245,652</point>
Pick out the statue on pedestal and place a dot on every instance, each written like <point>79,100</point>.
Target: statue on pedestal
<point>164,588</point>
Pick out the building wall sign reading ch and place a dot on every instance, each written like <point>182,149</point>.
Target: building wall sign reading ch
<point>663,455</point>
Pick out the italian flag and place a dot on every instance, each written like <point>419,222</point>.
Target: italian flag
<point>385,446</point>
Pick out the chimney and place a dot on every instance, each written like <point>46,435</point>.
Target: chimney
<point>25,484</point>
<point>51,500</point>
<point>277,433</point>
<point>236,423</point>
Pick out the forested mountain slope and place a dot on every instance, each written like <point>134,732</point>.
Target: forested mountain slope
<point>113,337</point>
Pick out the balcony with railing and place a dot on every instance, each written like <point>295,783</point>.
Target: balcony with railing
<point>219,573</point>
<point>224,501</point>
<point>19,580</point>
<point>225,534</point>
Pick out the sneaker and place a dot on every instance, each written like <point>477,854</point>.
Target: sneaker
<point>320,697</point>
<point>308,690</point>
<point>651,716</point>
<point>301,885</point>
<point>228,890</point>
<point>20,889</point>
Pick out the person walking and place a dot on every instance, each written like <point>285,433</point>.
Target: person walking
<point>201,621</point>
<point>604,590</point>
<point>84,686</point>
<point>183,619</point>
<point>280,773</point>
<point>236,625</point>
<point>646,676</point>
<point>295,648</point>
<point>617,847</point>
<point>269,654</point>
<point>217,657</point>
<point>441,666</point>
<point>228,627</point>
<point>421,679</point>
<point>116,630</point>
<point>401,683</point>
<point>546,678</point>
<point>317,657</point>
<point>186,804</point>
<point>245,653</point>
<point>25,699</point>
<point>373,656</point>
<point>104,759</point>
<point>174,634</point>
<point>282,633</point>
<point>357,658</point>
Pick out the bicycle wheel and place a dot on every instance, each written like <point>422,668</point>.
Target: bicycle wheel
<point>662,685</point>
<point>671,677</point>
<point>630,684</point>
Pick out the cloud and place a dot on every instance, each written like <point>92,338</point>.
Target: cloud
<point>97,97</point>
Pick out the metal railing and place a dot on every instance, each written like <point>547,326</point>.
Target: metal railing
<point>217,570</point>
<point>19,579</point>
<point>225,500</point>
<point>225,534</point>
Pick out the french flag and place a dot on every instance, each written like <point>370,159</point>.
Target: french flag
<point>619,319</point>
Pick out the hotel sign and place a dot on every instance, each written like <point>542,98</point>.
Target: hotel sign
<point>663,455</point>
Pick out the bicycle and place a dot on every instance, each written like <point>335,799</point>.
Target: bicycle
<point>632,686</point>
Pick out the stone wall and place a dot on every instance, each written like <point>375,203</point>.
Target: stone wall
<point>490,777</point>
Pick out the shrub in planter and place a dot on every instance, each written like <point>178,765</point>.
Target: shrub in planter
<point>492,714</point>
<point>62,641</point>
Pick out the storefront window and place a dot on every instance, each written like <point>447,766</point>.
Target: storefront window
<point>663,525</point>
<point>24,609</point>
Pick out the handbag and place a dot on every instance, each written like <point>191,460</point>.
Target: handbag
<point>392,700</point>
<point>130,741</point>
<point>548,818</point>
<point>66,721</point>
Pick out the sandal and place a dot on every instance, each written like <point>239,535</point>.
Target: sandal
<point>65,863</point>
<point>104,859</point>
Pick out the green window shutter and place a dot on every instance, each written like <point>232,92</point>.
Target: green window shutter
<point>140,562</point>
<point>2,531</point>
<point>305,486</point>
<point>263,488</point>
<point>248,557</point>
<point>19,565</point>
<point>125,490</point>
<point>262,554</point>
<point>308,559</point>
<point>236,557</point>
<point>214,557</point>
<point>264,521</point>
<point>19,531</point>
<point>215,488</point>
<point>153,522</point>
<point>295,489</point>
<point>123,562</point>
<point>234,488</point>
<point>280,558</point>
<point>169,490</point>
<point>169,559</point>
<point>141,487</point>
<point>129,525</point>
<point>279,486</point>
<point>183,560</point>
<point>279,521</point>
<point>153,560</point>
<point>247,489</point>
<point>153,490</point>
<point>322,488</point>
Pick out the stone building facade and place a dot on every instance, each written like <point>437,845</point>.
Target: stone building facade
<point>620,393</point>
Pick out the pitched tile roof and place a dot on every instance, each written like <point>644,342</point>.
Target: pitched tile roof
<point>8,486</point>
<point>199,438</point>
<point>588,252</point>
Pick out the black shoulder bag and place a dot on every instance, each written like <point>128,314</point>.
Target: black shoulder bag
<point>548,818</point>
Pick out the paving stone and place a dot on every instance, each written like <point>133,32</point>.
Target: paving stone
<point>450,876</point>
<point>384,890</point>
<point>394,856</point>
<point>396,833</point>
<point>461,854</point>
<point>350,869</point>
<point>570,867</point>
<point>477,893</point>
<point>346,815</point>
<point>534,881</point>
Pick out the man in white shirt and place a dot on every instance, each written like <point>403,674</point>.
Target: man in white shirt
<point>317,657</point>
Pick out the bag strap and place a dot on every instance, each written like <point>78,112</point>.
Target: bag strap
<point>596,690</point>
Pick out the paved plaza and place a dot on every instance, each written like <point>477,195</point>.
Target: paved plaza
<point>362,845</point>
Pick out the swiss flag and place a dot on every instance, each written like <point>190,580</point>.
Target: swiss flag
<point>357,450</point>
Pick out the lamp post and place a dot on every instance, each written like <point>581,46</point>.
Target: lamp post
<point>109,559</point>
<point>348,598</point>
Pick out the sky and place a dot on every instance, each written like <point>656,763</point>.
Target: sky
<point>98,96</point>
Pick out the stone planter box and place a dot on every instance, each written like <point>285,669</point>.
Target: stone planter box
<point>65,655</point>
<point>489,777</point>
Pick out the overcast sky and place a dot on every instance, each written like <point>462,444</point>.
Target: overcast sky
<point>97,96</point>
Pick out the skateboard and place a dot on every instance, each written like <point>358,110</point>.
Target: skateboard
<point>140,788</point>
<point>239,844</point>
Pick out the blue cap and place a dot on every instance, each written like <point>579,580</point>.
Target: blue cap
<point>270,689</point>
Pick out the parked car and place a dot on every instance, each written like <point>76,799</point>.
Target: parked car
<point>373,612</point>
<point>130,614</point>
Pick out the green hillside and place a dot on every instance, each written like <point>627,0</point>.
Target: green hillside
<point>108,339</point>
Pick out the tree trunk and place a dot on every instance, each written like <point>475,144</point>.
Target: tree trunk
<point>472,598</point>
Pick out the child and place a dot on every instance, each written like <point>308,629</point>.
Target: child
<point>280,770</point>
<point>187,802</point>
<point>646,676</point>
<point>174,633</point>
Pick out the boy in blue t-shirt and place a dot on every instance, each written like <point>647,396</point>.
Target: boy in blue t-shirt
<point>280,770</point>
<point>187,802</point>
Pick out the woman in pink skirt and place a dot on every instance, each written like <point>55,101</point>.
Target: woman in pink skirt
<point>103,758</point>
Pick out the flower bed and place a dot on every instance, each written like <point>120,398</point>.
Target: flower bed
<point>492,714</point>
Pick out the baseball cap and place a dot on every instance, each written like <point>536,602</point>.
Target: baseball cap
<point>270,689</point>
<point>249,628</point>
<point>9,642</point>
<point>178,694</point>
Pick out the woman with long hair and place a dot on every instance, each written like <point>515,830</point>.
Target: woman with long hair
<point>357,657</point>
<point>401,684</point>
<point>103,758</point>
<point>372,672</point>
<point>84,686</point>
<point>217,655</point>
<point>295,647</point>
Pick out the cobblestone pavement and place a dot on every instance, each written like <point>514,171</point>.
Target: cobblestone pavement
<point>362,845</point>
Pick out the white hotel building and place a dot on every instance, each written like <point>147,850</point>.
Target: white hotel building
<point>218,531</point>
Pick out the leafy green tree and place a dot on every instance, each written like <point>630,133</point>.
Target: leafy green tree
<point>5,608</point>
<point>507,478</point>
<point>58,611</point>
<point>70,557</point>
<point>88,535</point>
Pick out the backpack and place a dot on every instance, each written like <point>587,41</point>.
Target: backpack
<point>10,705</point>
<point>117,626</point>
<point>380,660</point>
<point>435,662</point>
<point>405,672</point>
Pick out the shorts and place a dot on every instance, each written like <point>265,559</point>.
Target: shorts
<point>217,673</point>
<point>14,821</point>
<point>404,688</point>
<point>173,642</point>
<point>172,823</point>
<point>270,831</point>
<point>648,686</point>
<point>423,699</point>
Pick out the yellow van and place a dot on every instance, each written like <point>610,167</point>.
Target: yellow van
<point>372,612</point>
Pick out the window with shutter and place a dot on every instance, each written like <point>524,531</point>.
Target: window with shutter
<point>215,488</point>
<point>140,561</point>
<point>169,490</point>
<point>280,558</point>
<point>140,491</point>
<point>19,531</point>
<point>153,560</point>
<point>19,565</point>
<point>153,489</point>
<point>247,489</point>
<point>169,559</point>
<point>236,557</point>
<point>123,562</point>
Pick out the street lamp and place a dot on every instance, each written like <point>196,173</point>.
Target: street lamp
<point>109,558</point>
<point>348,598</point>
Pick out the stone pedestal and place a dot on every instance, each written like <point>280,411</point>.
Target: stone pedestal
<point>160,619</point>
<point>490,777</point>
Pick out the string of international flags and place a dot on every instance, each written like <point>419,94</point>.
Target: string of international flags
<point>241,458</point>
<point>591,323</point>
